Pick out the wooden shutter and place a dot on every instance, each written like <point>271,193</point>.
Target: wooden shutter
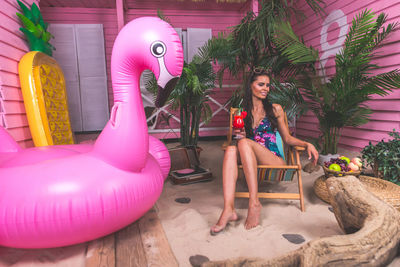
<point>66,56</point>
<point>196,38</point>
<point>92,75</point>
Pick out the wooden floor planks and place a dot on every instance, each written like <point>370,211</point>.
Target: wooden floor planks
<point>130,251</point>
<point>143,243</point>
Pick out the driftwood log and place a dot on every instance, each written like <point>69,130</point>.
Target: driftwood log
<point>372,230</point>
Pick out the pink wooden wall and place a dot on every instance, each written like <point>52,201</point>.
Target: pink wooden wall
<point>327,36</point>
<point>182,15</point>
<point>12,48</point>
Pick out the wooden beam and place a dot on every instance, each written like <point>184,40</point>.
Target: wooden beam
<point>155,243</point>
<point>129,249</point>
<point>101,252</point>
<point>119,4</point>
<point>270,195</point>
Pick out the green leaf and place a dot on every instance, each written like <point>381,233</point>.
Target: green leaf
<point>46,36</point>
<point>27,12</point>
<point>291,46</point>
<point>36,13</point>
<point>29,25</point>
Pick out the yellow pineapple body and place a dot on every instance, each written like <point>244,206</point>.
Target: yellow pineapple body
<point>45,99</point>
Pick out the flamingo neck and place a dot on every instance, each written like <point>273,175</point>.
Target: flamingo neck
<point>124,141</point>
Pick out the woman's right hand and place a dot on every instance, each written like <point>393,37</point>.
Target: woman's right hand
<point>239,133</point>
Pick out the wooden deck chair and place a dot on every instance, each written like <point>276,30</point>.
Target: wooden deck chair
<point>275,172</point>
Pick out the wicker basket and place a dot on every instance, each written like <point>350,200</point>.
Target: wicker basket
<point>384,190</point>
<point>329,173</point>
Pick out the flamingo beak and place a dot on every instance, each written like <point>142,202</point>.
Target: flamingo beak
<point>163,93</point>
<point>166,83</point>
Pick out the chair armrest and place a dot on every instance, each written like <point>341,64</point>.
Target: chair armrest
<point>299,148</point>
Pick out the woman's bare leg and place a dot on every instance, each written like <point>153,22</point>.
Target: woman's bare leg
<point>252,153</point>
<point>229,178</point>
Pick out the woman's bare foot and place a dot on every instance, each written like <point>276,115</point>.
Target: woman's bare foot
<point>226,216</point>
<point>253,216</point>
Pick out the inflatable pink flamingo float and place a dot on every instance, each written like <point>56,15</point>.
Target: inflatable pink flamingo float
<point>62,195</point>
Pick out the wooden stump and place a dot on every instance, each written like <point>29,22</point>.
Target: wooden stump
<point>372,230</point>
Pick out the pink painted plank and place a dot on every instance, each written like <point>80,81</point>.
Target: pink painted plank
<point>12,38</point>
<point>10,22</point>
<point>13,107</point>
<point>11,52</point>
<point>208,6</point>
<point>15,120</point>
<point>11,93</point>
<point>392,105</point>
<point>8,65</point>
<point>26,143</point>
<point>10,79</point>
<point>120,14</point>
<point>20,134</point>
<point>60,10</point>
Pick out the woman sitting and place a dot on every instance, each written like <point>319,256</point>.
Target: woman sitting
<point>256,145</point>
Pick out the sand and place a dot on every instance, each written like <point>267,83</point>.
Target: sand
<point>187,225</point>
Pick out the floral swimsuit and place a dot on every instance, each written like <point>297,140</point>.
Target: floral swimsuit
<point>265,136</point>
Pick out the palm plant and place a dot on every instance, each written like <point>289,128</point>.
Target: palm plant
<point>190,95</point>
<point>250,44</point>
<point>35,29</point>
<point>340,102</point>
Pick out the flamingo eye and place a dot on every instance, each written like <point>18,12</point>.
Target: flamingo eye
<point>158,49</point>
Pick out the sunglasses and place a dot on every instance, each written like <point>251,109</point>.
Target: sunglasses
<point>259,70</point>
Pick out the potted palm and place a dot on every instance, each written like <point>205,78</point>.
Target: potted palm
<point>250,45</point>
<point>190,96</point>
<point>340,101</point>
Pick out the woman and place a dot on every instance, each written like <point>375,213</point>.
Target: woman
<point>256,145</point>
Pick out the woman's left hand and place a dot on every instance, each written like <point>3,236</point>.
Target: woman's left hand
<point>312,153</point>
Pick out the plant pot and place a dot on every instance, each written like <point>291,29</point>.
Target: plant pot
<point>322,158</point>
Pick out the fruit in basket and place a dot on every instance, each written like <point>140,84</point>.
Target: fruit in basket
<point>335,167</point>
<point>357,161</point>
<point>353,167</point>
<point>341,162</point>
<point>345,159</point>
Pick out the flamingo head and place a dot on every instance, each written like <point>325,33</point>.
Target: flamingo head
<point>147,43</point>
<point>166,49</point>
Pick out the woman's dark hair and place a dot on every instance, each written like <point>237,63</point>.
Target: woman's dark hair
<point>248,104</point>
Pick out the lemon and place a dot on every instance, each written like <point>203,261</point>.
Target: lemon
<point>335,167</point>
<point>345,159</point>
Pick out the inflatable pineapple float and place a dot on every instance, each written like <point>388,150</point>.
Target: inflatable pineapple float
<point>42,83</point>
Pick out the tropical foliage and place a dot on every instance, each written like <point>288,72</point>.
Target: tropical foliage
<point>190,95</point>
<point>250,44</point>
<point>384,158</point>
<point>35,29</point>
<point>339,101</point>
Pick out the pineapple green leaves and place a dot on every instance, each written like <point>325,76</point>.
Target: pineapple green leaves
<point>35,29</point>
